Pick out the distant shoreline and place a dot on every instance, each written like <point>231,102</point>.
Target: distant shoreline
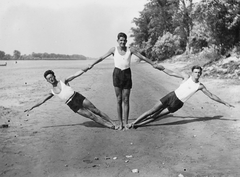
<point>51,59</point>
<point>44,59</point>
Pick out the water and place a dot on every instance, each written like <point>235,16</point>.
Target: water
<point>44,63</point>
<point>20,80</point>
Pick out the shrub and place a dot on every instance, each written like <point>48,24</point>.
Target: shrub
<point>208,55</point>
<point>166,46</point>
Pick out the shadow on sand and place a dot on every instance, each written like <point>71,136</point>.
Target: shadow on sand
<point>86,124</point>
<point>190,119</point>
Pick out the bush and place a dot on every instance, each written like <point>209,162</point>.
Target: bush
<point>208,55</point>
<point>236,50</point>
<point>166,46</point>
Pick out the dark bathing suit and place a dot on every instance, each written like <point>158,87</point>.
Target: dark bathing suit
<point>171,102</point>
<point>175,100</point>
<point>122,78</point>
<point>73,99</point>
<point>75,102</point>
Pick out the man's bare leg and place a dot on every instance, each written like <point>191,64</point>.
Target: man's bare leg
<point>148,114</point>
<point>88,114</point>
<point>118,92</point>
<point>126,106</point>
<point>152,118</point>
<point>88,105</point>
<point>154,114</point>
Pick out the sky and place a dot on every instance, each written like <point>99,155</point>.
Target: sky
<point>86,27</point>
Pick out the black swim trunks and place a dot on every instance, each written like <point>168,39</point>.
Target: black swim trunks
<point>122,78</point>
<point>171,102</point>
<point>76,101</point>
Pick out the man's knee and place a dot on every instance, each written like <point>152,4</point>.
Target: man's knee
<point>96,111</point>
<point>126,100</point>
<point>119,99</point>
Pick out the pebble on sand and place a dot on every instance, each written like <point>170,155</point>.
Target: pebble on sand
<point>135,170</point>
<point>129,156</point>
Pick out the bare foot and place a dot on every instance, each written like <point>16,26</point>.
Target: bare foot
<point>130,125</point>
<point>120,127</point>
<point>113,127</point>
<point>127,127</point>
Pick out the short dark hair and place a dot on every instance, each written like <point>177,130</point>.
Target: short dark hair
<point>48,72</point>
<point>196,67</point>
<point>121,35</point>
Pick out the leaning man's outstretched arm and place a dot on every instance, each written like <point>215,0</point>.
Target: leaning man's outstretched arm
<point>174,74</point>
<point>49,96</point>
<point>169,72</point>
<point>141,57</point>
<point>213,97</point>
<point>75,75</point>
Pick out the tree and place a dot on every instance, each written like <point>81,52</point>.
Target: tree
<point>208,23</point>
<point>182,23</point>
<point>222,19</point>
<point>166,46</point>
<point>7,57</point>
<point>16,54</point>
<point>154,21</point>
<point>2,54</point>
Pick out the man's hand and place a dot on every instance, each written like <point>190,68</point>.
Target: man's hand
<point>229,105</point>
<point>155,63</point>
<point>27,110</point>
<point>158,66</point>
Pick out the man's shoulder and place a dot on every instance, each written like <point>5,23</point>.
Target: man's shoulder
<point>201,86</point>
<point>112,49</point>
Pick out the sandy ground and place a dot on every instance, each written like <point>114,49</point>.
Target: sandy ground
<point>201,139</point>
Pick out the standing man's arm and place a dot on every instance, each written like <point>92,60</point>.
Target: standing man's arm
<point>182,76</point>
<point>49,96</point>
<point>110,52</point>
<point>213,97</point>
<point>169,72</point>
<point>140,56</point>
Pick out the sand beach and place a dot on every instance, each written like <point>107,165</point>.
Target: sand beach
<point>202,139</point>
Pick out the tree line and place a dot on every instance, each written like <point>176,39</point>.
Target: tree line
<point>40,56</point>
<point>169,27</point>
